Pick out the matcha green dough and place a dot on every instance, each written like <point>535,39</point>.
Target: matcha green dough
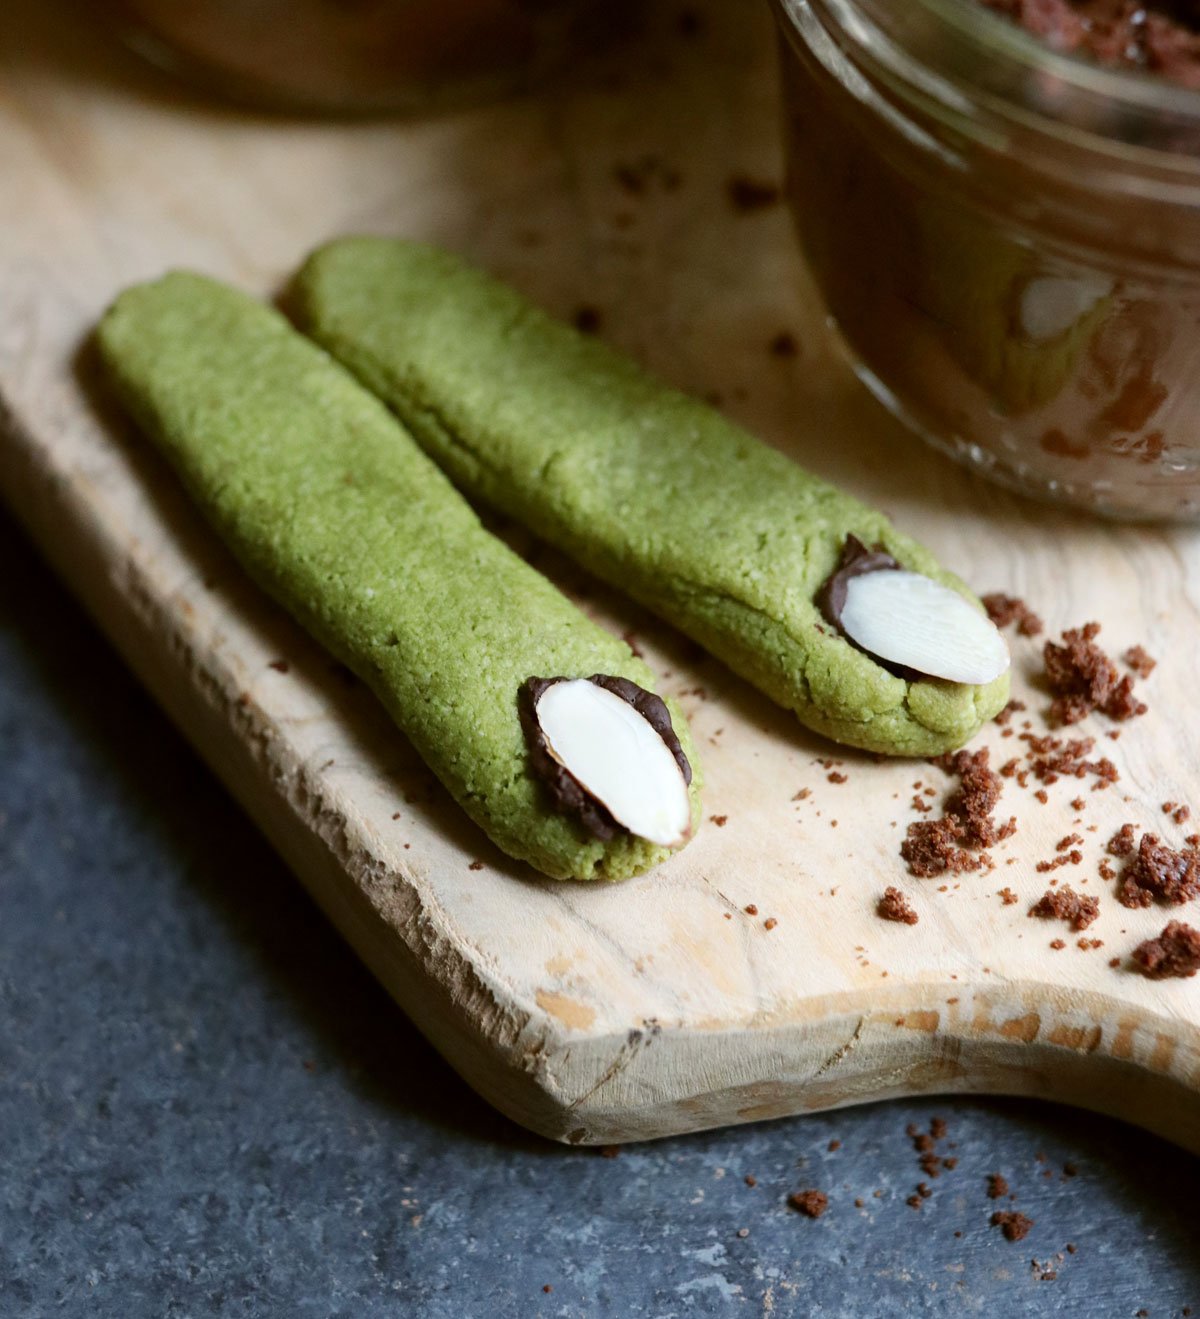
<point>331,506</point>
<point>653,491</point>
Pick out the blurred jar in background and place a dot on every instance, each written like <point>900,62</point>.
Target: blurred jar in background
<point>357,55</point>
<point>1008,239</point>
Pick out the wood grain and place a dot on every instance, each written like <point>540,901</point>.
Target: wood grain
<point>591,1014</point>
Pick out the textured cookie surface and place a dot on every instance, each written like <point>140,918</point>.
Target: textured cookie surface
<point>333,508</point>
<point>652,490</point>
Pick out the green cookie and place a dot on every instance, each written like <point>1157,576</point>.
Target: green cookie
<point>655,492</point>
<point>333,509</point>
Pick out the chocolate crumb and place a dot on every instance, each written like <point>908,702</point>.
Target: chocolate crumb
<point>894,906</point>
<point>1175,953</point>
<point>1005,609</point>
<point>834,1145</point>
<point>1004,718</point>
<point>1083,678</point>
<point>859,1202</point>
<point>812,1204</point>
<point>588,320</point>
<point>1122,842</point>
<point>719,820</point>
<point>950,1163</point>
<point>997,1186</point>
<point>770,923</point>
<point>1008,897</point>
<point>937,1128</point>
<point>610,1151</point>
<point>954,842</point>
<point>1064,904</point>
<point>690,23</point>
<point>1058,944</point>
<point>1139,661</point>
<point>748,195</point>
<point>1159,872</point>
<point>914,1202</point>
<point>546,1287</point>
<point>1014,1225</point>
<point>750,909</point>
<point>835,777</point>
<point>280,666</point>
<point>750,1179</point>
<point>475,865</point>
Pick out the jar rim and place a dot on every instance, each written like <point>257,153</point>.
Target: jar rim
<point>971,49</point>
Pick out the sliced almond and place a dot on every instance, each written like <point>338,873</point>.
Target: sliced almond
<point>611,750</point>
<point>913,622</point>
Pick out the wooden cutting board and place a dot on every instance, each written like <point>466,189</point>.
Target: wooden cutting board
<point>593,1014</point>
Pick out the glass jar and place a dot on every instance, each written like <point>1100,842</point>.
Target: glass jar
<point>355,55</point>
<point>1009,241</point>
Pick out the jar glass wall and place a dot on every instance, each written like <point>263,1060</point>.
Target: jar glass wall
<point>1009,242</point>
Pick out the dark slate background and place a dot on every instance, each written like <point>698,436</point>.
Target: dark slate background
<point>207,1107</point>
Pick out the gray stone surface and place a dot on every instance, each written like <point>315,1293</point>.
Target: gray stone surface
<point>207,1107</point>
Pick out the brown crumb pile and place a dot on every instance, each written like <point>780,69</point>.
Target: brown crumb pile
<point>1159,872</point>
<point>1005,609</point>
<point>1139,661</point>
<point>1014,1225</point>
<point>894,906</point>
<point>1083,678</point>
<point>812,1204</point>
<point>997,1186</point>
<point>1064,904</point>
<point>955,842</point>
<point>1175,953</point>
